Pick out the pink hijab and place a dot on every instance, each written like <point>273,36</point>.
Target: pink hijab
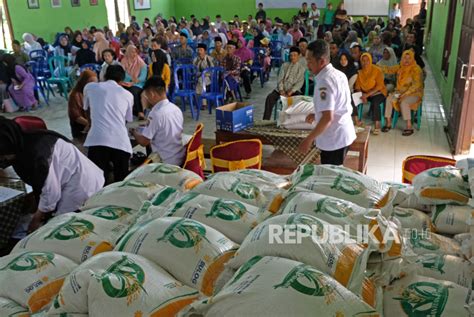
<point>101,44</point>
<point>243,53</point>
<point>132,65</point>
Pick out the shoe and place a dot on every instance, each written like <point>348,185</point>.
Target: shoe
<point>407,132</point>
<point>386,129</point>
<point>376,131</point>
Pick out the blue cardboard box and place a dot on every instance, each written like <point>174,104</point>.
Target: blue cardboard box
<point>234,117</point>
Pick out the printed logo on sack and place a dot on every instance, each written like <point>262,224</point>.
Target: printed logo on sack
<point>30,261</point>
<point>438,211</point>
<point>166,169</point>
<point>333,207</point>
<point>228,210</point>
<point>124,278</point>
<point>433,262</point>
<point>348,185</point>
<point>111,213</point>
<point>184,233</point>
<point>418,240</point>
<point>245,190</point>
<point>72,229</point>
<point>442,173</point>
<point>306,280</point>
<point>132,183</point>
<point>424,299</point>
<point>244,268</point>
<point>403,213</point>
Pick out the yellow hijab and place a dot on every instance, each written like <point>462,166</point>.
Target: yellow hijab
<point>406,73</point>
<point>368,75</point>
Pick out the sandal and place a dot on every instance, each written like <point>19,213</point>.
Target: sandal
<point>376,131</point>
<point>407,132</point>
<point>386,129</point>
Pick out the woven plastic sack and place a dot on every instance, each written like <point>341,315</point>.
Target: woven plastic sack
<point>12,309</point>
<point>294,112</point>
<point>424,296</point>
<point>428,242</point>
<point>442,185</point>
<point>192,252</point>
<point>405,198</point>
<point>166,174</point>
<point>245,188</point>
<point>272,286</point>
<point>465,165</point>
<point>158,206</point>
<point>452,219</point>
<point>344,260</point>
<point>121,284</point>
<point>446,267</point>
<point>276,179</point>
<point>467,245</point>
<point>231,217</point>
<point>343,183</point>
<point>130,194</point>
<point>413,219</point>
<point>123,215</point>
<point>75,236</point>
<point>32,279</point>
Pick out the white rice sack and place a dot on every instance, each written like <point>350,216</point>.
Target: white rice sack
<point>231,217</point>
<point>452,219</point>
<point>465,165</point>
<point>130,194</point>
<point>296,122</point>
<point>272,286</point>
<point>446,267</point>
<point>32,279</point>
<point>424,296</point>
<point>123,215</point>
<point>342,183</point>
<point>413,219</point>
<point>441,185</point>
<point>122,284</point>
<point>384,272</point>
<point>12,309</point>
<point>278,180</point>
<point>312,241</point>
<point>428,242</point>
<point>467,244</point>
<point>405,198</point>
<point>75,236</point>
<point>166,174</point>
<point>192,252</point>
<point>245,188</point>
<point>294,112</point>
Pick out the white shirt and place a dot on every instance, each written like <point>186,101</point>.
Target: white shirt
<point>164,130</point>
<point>394,13</point>
<point>331,92</point>
<point>316,14</point>
<point>110,108</point>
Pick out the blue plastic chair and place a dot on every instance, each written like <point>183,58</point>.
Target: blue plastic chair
<point>62,77</point>
<point>40,82</point>
<point>94,67</point>
<point>418,114</point>
<point>216,91</point>
<point>360,109</point>
<point>185,88</point>
<point>38,53</point>
<point>276,51</point>
<point>257,67</point>
<point>233,87</point>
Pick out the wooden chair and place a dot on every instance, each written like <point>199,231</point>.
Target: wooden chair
<point>30,123</point>
<point>231,156</point>
<point>194,160</point>
<point>415,164</point>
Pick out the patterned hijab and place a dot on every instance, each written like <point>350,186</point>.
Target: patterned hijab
<point>132,64</point>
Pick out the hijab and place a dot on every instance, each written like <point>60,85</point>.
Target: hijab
<point>392,61</point>
<point>350,69</point>
<point>351,37</point>
<point>243,53</point>
<point>328,34</point>
<point>132,65</point>
<point>370,38</point>
<point>160,61</point>
<point>101,44</point>
<point>405,73</point>
<point>85,55</point>
<point>368,75</point>
<point>30,43</point>
<point>66,48</point>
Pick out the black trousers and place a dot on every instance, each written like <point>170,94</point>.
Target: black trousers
<point>375,102</point>
<point>137,102</point>
<point>245,75</point>
<point>102,156</point>
<point>270,102</point>
<point>335,157</point>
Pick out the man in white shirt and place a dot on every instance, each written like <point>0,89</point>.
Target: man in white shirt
<point>110,108</point>
<point>313,20</point>
<point>334,131</point>
<point>395,12</point>
<point>165,124</point>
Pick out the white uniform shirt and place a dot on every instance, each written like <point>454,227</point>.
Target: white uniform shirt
<point>110,108</point>
<point>164,130</point>
<point>331,92</point>
<point>316,14</point>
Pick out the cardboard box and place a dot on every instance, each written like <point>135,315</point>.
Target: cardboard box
<point>234,117</point>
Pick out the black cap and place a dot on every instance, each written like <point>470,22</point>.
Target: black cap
<point>232,43</point>
<point>218,39</point>
<point>183,34</point>
<point>295,49</point>
<point>302,40</point>
<point>202,45</point>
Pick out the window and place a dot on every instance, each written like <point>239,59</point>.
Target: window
<point>5,38</point>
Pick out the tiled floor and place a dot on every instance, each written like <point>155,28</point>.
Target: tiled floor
<point>386,151</point>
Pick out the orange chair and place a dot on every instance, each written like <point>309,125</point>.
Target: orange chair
<point>236,155</point>
<point>415,164</point>
<point>30,123</point>
<point>195,153</point>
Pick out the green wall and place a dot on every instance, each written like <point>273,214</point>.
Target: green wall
<point>165,7</point>
<point>46,22</point>
<point>435,46</point>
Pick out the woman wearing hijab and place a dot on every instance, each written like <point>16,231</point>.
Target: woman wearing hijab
<point>370,82</point>
<point>22,84</point>
<point>389,59</point>
<point>64,47</point>
<point>351,38</point>
<point>85,55</point>
<point>408,93</point>
<point>370,40</point>
<point>136,75</point>
<point>30,43</point>
<point>346,65</point>
<point>78,118</point>
<point>61,176</point>
<point>77,40</point>
<point>100,45</point>
<point>377,48</point>
<point>246,58</point>
<point>328,37</point>
<point>159,66</point>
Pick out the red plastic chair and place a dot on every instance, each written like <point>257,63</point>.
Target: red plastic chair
<point>231,156</point>
<point>415,164</point>
<point>195,153</point>
<point>30,123</point>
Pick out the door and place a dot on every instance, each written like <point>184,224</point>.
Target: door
<point>460,121</point>
<point>409,9</point>
<point>5,26</point>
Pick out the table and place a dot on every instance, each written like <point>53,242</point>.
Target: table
<point>360,146</point>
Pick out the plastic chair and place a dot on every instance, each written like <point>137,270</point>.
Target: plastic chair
<point>94,67</point>
<point>257,67</point>
<point>30,123</point>
<point>418,114</point>
<point>216,91</point>
<point>187,89</point>
<point>183,61</point>
<point>40,82</point>
<point>415,164</point>
<point>62,78</point>
<point>194,160</point>
<point>360,109</point>
<point>237,155</point>
<point>38,54</point>
<point>276,53</point>
<point>233,86</point>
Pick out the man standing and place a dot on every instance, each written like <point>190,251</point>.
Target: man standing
<point>261,14</point>
<point>313,20</point>
<point>395,12</point>
<point>110,108</point>
<point>334,131</point>
<point>165,124</point>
